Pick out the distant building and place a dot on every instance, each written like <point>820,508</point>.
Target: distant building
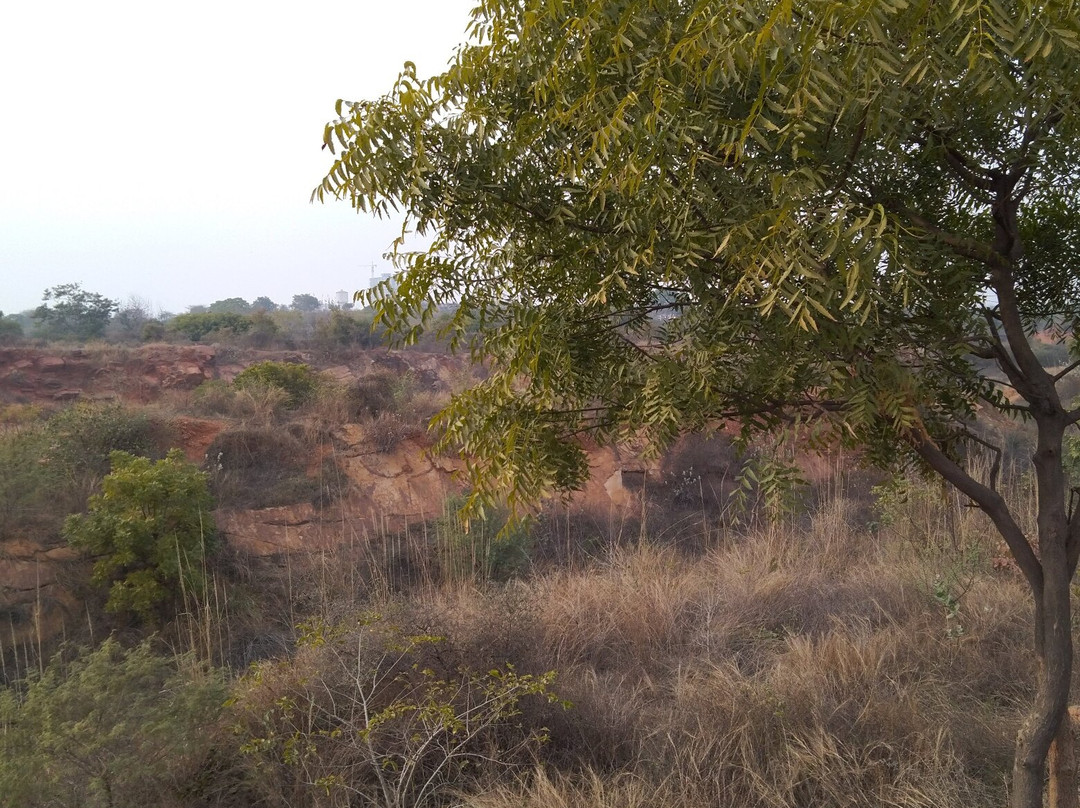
<point>386,276</point>
<point>342,298</point>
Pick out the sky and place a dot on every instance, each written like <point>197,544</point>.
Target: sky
<point>167,152</point>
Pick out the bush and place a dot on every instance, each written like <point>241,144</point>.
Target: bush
<point>195,326</point>
<point>297,380</point>
<point>343,329</point>
<point>112,729</point>
<point>75,314</point>
<point>49,468</point>
<point>149,530</point>
<point>263,467</point>
<point>361,717</point>
<point>11,330</point>
<point>153,331</point>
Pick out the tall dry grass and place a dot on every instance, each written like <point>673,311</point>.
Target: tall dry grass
<point>823,663</point>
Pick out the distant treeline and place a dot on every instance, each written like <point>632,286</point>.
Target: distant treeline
<point>71,314</point>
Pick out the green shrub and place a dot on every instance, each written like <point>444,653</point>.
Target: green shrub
<point>344,329</point>
<point>153,331</point>
<point>111,729</point>
<point>195,326</point>
<point>82,438</point>
<point>298,380</point>
<point>263,467</point>
<point>149,530</point>
<point>11,330</point>
<point>49,468</point>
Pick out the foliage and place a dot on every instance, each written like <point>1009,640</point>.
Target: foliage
<point>49,467</point>
<point>298,380</point>
<point>82,438</point>
<point>234,305</point>
<point>113,728</point>
<point>813,217</point>
<point>486,549</point>
<point>373,723</point>
<point>344,329</point>
<point>148,530</point>
<point>74,313</point>
<point>751,207</point>
<point>263,329</point>
<point>262,467</point>
<point>305,302</point>
<point>195,326</point>
<point>153,331</point>
<point>130,321</point>
<point>10,329</point>
<point>263,303</point>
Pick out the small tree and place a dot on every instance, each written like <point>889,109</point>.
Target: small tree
<point>149,530</point>
<point>844,217</point>
<point>10,329</point>
<point>70,312</point>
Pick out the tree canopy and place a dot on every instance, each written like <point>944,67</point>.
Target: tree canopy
<point>305,302</point>
<point>662,214</point>
<point>70,312</point>
<point>148,529</point>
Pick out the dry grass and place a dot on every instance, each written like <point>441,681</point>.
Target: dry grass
<point>788,667</point>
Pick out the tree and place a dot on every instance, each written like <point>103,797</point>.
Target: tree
<point>10,329</point>
<point>263,303</point>
<point>839,208</point>
<point>130,319</point>
<point>75,314</point>
<point>230,305</point>
<point>305,303</point>
<point>149,530</point>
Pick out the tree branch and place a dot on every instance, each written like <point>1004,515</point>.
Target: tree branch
<point>989,502</point>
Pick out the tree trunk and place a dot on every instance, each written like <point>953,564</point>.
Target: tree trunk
<point>1046,719</point>
<point>1062,793</point>
<point>1053,633</point>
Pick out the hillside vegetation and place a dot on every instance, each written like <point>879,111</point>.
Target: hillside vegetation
<point>870,651</point>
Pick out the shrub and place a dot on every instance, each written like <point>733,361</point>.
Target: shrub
<point>374,394</point>
<point>149,530</point>
<point>49,468</point>
<point>113,728</point>
<point>153,331</point>
<point>75,314</point>
<point>362,717</point>
<point>343,329</point>
<point>11,330</point>
<point>299,381</point>
<point>262,467</point>
<point>195,326</point>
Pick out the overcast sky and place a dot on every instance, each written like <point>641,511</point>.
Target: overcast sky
<point>168,151</point>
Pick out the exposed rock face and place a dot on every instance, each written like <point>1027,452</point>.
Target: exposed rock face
<point>139,374</point>
<point>37,596</point>
<point>386,491</point>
